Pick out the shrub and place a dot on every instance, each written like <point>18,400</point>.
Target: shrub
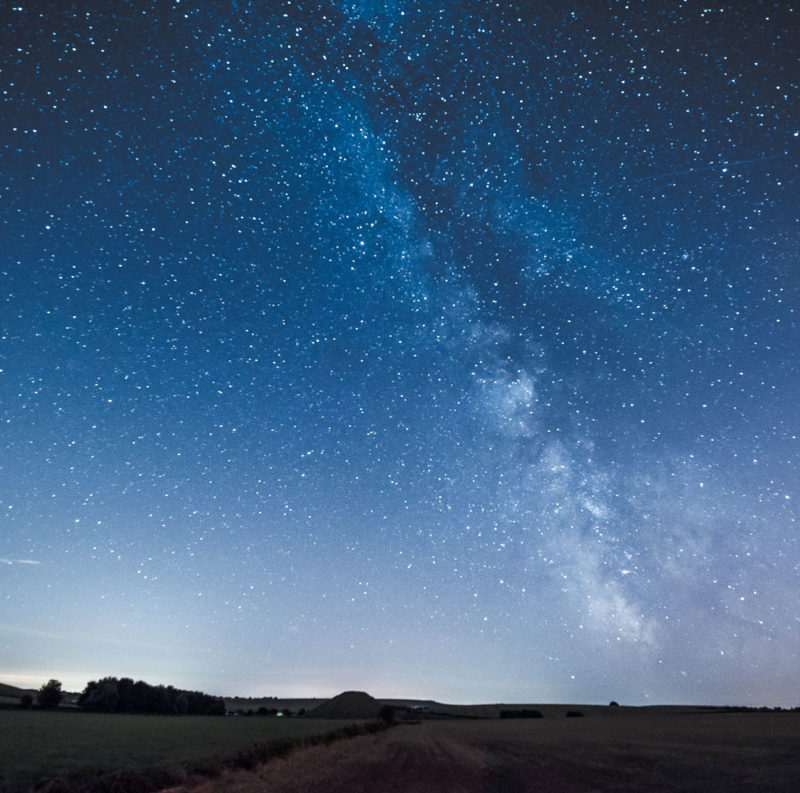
<point>574,714</point>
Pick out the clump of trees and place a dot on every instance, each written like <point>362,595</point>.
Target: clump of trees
<point>50,694</point>
<point>112,695</point>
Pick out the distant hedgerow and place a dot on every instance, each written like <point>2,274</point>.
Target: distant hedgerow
<point>111,695</point>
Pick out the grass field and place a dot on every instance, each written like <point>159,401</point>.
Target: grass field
<point>630,752</point>
<point>680,750</point>
<point>36,744</point>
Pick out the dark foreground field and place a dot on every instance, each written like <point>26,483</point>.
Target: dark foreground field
<point>72,752</point>
<point>633,751</point>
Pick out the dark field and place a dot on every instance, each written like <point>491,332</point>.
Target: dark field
<point>628,751</point>
<point>610,749</point>
<point>36,744</point>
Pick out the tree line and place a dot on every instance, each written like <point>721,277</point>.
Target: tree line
<point>112,695</point>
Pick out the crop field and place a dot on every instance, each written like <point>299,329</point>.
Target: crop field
<point>37,744</point>
<point>653,752</point>
<point>607,750</point>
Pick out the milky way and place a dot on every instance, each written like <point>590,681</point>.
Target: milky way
<point>441,350</point>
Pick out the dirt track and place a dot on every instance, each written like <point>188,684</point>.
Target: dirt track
<point>735,753</point>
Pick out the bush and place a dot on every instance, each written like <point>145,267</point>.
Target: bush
<point>574,714</point>
<point>524,713</point>
<point>25,701</point>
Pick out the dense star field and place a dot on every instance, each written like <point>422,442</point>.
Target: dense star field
<point>434,349</point>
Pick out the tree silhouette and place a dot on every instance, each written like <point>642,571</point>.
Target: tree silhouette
<point>49,694</point>
<point>124,696</point>
<point>101,696</point>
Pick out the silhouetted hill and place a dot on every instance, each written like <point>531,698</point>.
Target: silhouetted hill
<point>12,691</point>
<point>348,705</point>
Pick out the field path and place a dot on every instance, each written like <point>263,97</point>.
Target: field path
<point>400,759</point>
<point>741,753</point>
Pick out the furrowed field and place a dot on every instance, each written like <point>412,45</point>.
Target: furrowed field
<point>39,744</point>
<point>659,752</point>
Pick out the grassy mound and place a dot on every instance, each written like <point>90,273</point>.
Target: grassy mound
<point>348,705</point>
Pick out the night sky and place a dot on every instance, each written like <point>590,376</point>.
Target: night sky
<point>438,350</point>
